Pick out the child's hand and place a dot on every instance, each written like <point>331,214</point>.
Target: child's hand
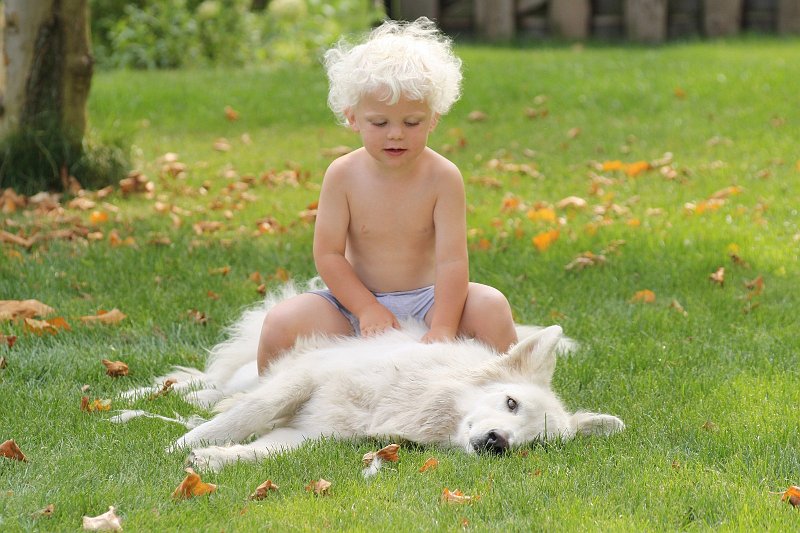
<point>376,318</point>
<point>439,334</point>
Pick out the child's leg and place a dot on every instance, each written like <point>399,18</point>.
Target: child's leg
<point>487,318</point>
<point>300,316</point>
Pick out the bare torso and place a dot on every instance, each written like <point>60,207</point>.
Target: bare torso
<point>391,235</point>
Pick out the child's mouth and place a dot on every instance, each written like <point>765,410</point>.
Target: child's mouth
<point>395,151</point>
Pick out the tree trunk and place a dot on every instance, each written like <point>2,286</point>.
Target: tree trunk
<point>48,69</point>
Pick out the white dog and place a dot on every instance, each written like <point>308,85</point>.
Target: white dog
<point>460,394</point>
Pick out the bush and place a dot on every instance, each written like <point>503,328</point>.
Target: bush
<point>33,160</point>
<point>154,34</point>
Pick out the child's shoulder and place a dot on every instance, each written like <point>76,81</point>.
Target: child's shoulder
<point>344,164</point>
<point>442,165</point>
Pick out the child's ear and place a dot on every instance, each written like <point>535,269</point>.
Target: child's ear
<point>434,122</point>
<point>350,116</point>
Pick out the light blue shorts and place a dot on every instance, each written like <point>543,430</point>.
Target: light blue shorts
<point>404,304</point>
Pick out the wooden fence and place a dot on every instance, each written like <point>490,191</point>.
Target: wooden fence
<point>649,21</point>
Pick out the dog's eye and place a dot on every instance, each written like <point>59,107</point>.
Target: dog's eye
<point>511,403</point>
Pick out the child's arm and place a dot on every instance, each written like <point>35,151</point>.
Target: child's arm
<point>452,262</point>
<point>330,240</point>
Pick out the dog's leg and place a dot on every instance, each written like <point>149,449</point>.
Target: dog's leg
<point>278,441</point>
<point>254,413</point>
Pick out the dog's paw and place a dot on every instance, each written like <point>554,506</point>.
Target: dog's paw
<point>212,458</point>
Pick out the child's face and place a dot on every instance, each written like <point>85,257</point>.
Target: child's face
<point>394,135</point>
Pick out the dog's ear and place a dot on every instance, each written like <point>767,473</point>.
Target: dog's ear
<point>596,424</point>
<point>535,356</point>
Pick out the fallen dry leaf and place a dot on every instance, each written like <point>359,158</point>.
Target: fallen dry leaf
<point>45,512</point>
<point>220,271</point>
<point>39,327</point>
<point>108,521</point>
<point>320,487</point>
<point>231,114</point>
<point>572,202</point>
<point>3,360</point>
<point>165,389</point>
<point>644,296</point>
<point>13,309</point>
<point>115,369</point>
<point>90,406</point>
<point>585,260</point>
<point>8,340</point>
<point>105,317</point>
<point>10,450</point>
<point>543,241</point>
<point>457,496</point>
<point>430,464</point>
<point>755,286</point>
<point>477,116</point>
<point>193,486</point>
<point>262,490</point>
<point>718,276</point>
<point>676,305</point>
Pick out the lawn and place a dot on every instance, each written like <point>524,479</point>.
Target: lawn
<point>687,159</point>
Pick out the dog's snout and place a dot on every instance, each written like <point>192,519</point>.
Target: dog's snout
<point>496,441</point>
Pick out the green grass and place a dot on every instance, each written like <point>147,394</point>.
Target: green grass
<point>664,373</point>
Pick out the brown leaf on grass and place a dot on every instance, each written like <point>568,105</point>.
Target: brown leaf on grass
<point>738,261</point>
<point>262,490</point>
<point>726,192</point>
<point>477,116</point>
<point>572,202</point>
<point>320,487</point>
<point>791,496</point>
<point>13,309</point>
<point>115,369</point>
<point>755,286</point>
<point>97,404</point>
<point>45,512</point>
<point>39,327</point>
<point>676,305</point>
<point>585,260</point>
<point>192,486</point>
<point>114,316</point>
<point>231,114</point>
<point>222,145</point>
<point>457,496</point>
<point>645,296</point>
<point>16,239</point>
<point>3,361</point>
<point>108,521</point>
<point>336,151</point>
<point>430,464</point>
<point>709,426</point>
<point>387,453</point>
<point>166,387</point>
<point>10,450</point>
<point>718,276</point>
<point>220,271</point>
<point>206,226</point>
<point>198,316</point>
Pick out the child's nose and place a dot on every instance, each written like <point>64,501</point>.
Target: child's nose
<point>395,132</point>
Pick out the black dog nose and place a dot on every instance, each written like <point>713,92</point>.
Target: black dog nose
<point>496,442</point>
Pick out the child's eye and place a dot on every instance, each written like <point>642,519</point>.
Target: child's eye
<point>379,124</point>
<point>412,124</point>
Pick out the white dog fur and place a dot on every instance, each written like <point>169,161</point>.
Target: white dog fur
<point>460,394</point>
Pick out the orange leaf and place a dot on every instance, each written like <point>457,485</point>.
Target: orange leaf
<point>221,271</point>
<point>115,369</point>
<point>165,388</point>
<point>98,217</point>
<point>756,286</point>
<point>791,495</point>
<point>543,241</point>
<point>320,487</point>
<point>10,449</point>
<point>430,464</point>
<point>193,486</point>
<point>634,169</point>
<point>545,214</point>
<point>457,496</point>
<point>611,165</point>
<point>45,512</point>
<point>106,317</point>
<point>644,296</point>
<point>39,327</point>
<point>389,453</point>
<point>231,114</point>
<point>263,489</point>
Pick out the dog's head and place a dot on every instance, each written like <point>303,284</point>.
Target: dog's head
<point>517,405</point>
